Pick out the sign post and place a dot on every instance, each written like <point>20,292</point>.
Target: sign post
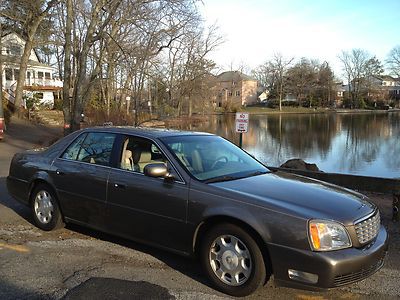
<point>242,124</point>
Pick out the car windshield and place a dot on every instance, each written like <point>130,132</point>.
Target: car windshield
<point>211,158</point>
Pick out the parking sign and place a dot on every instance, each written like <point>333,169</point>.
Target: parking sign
<point>242,122</point>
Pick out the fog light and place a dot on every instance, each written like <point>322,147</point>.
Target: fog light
<point>303,276</point>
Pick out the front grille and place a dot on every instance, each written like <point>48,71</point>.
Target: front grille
<point>368,229</point>
<point>357,276</point>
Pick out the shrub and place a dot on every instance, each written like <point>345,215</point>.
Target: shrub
<point>7,110</point>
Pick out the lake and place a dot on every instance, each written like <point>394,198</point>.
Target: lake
<point>353,143</point>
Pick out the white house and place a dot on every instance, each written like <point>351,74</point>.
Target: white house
<point>40,78</point>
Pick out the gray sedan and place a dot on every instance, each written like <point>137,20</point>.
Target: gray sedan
<point>197,194</point>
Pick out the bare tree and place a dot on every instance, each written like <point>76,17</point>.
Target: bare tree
<point>265,75</point>
<point>325,84</point>
<point>302,79</point>
<point>280,65</point>
<point>354,67</point>
<point>393,61</point>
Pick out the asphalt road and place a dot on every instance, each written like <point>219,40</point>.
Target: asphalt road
<point>77,263</point>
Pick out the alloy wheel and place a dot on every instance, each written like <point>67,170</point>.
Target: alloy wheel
<point>230,260</point>
<point>43,207</point>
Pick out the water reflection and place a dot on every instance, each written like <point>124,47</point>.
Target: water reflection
<point>359,143</point>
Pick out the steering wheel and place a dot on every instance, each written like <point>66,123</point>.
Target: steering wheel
<point>219,159</point>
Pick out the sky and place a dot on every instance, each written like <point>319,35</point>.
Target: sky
<point>253,30</point>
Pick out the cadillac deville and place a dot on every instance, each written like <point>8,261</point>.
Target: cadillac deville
<point>197,194</point>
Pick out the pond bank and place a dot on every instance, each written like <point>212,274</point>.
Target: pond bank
<point>355,182</point>
<point>304,110</point>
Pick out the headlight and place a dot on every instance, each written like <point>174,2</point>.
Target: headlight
<point>327,235</point>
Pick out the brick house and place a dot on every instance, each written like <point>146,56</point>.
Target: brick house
<point>236,89</point>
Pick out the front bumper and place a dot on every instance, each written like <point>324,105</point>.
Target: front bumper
<point>334,268</point>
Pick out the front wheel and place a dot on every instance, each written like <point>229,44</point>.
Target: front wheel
<point>232,260</point>
<point>45,210</point>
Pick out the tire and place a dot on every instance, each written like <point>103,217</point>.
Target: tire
<point>232,260</point>
<point>45,210</point>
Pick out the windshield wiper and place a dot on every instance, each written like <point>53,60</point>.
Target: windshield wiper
<point>220,178</point>
<point>257,173</point>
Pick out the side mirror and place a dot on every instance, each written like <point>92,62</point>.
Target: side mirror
<point>157,170</point>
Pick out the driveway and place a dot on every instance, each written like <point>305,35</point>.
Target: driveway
<point>77,263</point>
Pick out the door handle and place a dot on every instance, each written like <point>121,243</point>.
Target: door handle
<point>120,186</point>
<point>58,172</point>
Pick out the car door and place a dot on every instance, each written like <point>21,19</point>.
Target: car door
<point>81,175</point>
<point>144,208</point>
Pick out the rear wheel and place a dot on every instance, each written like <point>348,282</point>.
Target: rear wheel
<point>45,210</point>
<point>232,260</point>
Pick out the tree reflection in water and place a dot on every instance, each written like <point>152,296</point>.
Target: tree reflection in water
<point>356,143</point>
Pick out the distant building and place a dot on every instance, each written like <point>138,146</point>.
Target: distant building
<point>388,86</point>
<point>235,88</point>
<point>383,89</point>
<point>340,92</point>
<point>40,78</point>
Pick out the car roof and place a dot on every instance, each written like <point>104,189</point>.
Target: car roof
<point>145,131</point>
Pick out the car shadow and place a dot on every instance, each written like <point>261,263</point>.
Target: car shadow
<point>9,290</point>
<point>188,266</point>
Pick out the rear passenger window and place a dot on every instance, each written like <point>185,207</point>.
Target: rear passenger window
<point>73,150</point>
<point>94,148</point>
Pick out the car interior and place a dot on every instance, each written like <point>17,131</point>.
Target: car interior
<point>136,154</point>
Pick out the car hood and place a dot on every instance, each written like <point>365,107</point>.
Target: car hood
<point>299,196</point>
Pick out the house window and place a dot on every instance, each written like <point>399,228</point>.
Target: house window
<point>28,74</point>
<point>40,75</point>
<point>237,93</point>
<point>16,74</point>
<point>15,50</point>
<point>230,94</point>
<point>8,74</point>
<point>47,75</point>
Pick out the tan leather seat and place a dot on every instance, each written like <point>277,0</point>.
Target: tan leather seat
<point>197,163</point>
<point>145,159</point>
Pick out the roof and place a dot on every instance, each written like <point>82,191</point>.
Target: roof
<point>17,61</point>
<point>146,132</point>
<point>386,78</point>
<point>234,76</point>
<point>389,78</point>
<point>10,32</point>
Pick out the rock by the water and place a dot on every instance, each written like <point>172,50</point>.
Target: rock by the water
<point>299,164</point>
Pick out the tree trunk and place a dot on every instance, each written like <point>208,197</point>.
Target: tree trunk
<point>190,106</point>
<point>67,70</point>
<point>78,98</point>
<point>32,24</point>
<point>280,95</point>
<point>24,64</point>
<point>1,85</point>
